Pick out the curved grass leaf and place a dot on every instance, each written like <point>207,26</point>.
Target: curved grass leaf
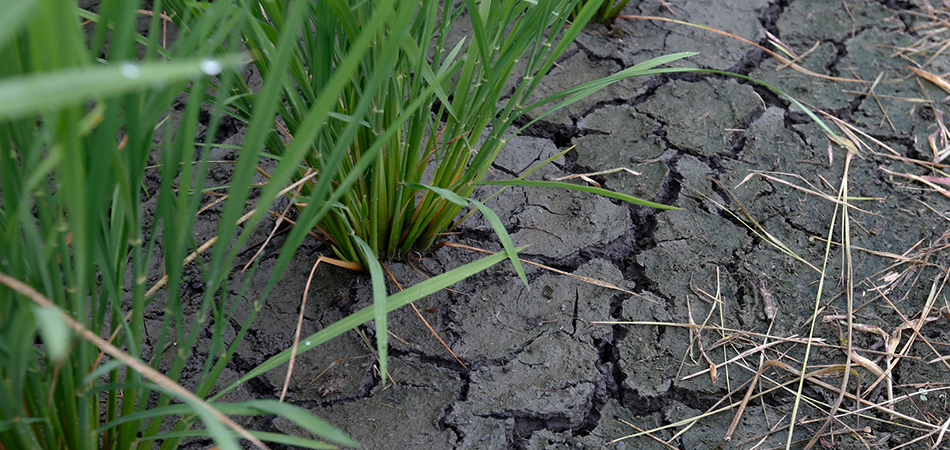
<point>265,436</point>
<point>295,414</point>
<point>223,438</point>
<point>379,303</point>
<point>613,11</point>
<point>493,219</point>
<point>301,417</point>
<point>56,335</point>
<point>581,91</point>
<point>22,96</point>
<point>578,187</point>
<point>16,14</point>
<point>7,424</point>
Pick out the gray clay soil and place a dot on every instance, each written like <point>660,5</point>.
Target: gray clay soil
<point>539,374</point>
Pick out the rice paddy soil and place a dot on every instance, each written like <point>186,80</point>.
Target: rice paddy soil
<point>541,374</point>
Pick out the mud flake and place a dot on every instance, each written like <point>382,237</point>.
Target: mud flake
<point>520,153</point>
<point>700,115</point>
<point>558,223</point>
<point>868,57</point>
<point>645,376</point>
<point>481,432</point>
<point>331,385</point>
<point>553,379</point>
<point>495,319</point>
<point>706,433</point>
<point>419,401</point>
<point>618,137</point>
<point>612,426</point>
<point>643,39</point>
<point>769,146</point>
<point>696,177</point>
<point>807,21</point>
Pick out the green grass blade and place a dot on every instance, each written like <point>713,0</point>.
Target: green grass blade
<point>412,49</point>
<point>581,91</point>
<point>581,19</point>
<point>16,14</point>
<point>301,417</point>
<point>379,303</point>
<point>578,187</point>
<point>505,239</point>
<point>290,412</point>
<point>492,218</point>
<point>223,438</point>
<point>613,11</point>
<point>20,97</point>
<point>56,335</point>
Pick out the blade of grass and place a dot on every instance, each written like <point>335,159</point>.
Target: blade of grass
<point>492,218</point>
<point>26,95</point>
<point>15,16</point>
<point>379,305</point>
<point>578,187</point>
<point>842,195</point>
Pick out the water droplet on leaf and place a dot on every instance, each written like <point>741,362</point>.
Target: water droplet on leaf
<point>130,71</point>
<point>211,66</point>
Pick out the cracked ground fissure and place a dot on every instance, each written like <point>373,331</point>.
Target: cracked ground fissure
<point>539,374</point>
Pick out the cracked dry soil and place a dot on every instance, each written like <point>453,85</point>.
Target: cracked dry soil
<point>539,374</point>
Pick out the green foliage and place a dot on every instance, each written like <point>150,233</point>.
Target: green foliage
<point>607,11</point>
<point>78,114</point>
<point>398,122</point>
<point>423,109</point>
<point>389,116</point>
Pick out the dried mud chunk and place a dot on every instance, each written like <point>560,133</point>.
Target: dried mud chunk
<point>701,116</point>
<point>807,21</point>
<point>644,39</point>
<point>397,416</point>
<point>620,138</point>
<point>553,379</point>
<point>557,223</point>
<point>869,56</point>
<point>491,324</point>
<point>331,385</point>
<point>715,50</point>
<point>521,153</point>
<point>817,92</point>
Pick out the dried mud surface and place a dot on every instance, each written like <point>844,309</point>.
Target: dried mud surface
<point>539,374</point>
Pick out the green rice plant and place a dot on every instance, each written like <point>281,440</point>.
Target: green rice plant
<point>607,11</point>
<point>427,117</point>
<point>388,118</point>
<point>78,114</point>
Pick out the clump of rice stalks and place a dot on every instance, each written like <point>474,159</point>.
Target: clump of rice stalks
<point>417,105</point>
<point>78,242</point>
